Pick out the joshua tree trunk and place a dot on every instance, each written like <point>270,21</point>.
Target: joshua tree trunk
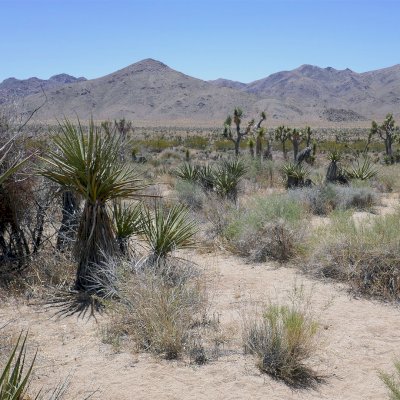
<point>268,153</point>
<point>295,149</point>
<point>95,242</point>
<point>284,151</point>
<point>69,222</point>
<point>258,146</point>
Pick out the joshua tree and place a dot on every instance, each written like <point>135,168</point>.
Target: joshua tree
<point>89,163</point>
<point>307,133</point>
<point>237,120</point>
<point>282,134</point>
<point>295,136</point>
<point>388,132</point>
<point>260,133</point>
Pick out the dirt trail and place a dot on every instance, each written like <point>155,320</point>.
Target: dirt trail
<point>358,338</point>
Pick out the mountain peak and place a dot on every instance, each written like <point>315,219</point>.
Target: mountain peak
<point>149,64</point>
<point>65,78</point>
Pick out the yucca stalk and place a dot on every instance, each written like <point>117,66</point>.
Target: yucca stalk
<point>167,231</point>
<point>89,163</point>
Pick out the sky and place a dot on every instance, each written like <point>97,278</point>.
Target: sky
<point>242,40</point>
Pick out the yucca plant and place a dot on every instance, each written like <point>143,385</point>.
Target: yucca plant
<point>206,177</point>
<point>167,230</point>
<point>362,170</point>
<point>227,178</point>
<point>335,173</point>
<point>127,222</point>
<point>187,172</point>
<point>295,175</point>
<point>88,162</point>
<point>13,381</point>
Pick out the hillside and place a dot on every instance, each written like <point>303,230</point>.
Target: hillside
<point>150,92</point>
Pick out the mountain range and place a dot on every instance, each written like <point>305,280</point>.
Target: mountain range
<point>149,92</point>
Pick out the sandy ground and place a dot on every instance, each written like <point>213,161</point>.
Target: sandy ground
<point>358,337</point>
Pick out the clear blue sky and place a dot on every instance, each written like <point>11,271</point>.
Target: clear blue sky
<point>241,40</point>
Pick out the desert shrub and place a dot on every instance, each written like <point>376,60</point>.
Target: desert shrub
<point>360,198</point>
<point>389,179</point>
<point>158,316</point>
<point>222,145</point>
<point>263,172</point>
<point>266,227</point>
<point>392,382</point>
<point>217,214</point>
<point>365,254</point>
<point>190,194</point>
<point>197,142</point>
<point>283,338</point>
<point>322,199</point>
<point>159,144</point>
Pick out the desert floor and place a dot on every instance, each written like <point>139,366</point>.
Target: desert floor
<point>358,337</point>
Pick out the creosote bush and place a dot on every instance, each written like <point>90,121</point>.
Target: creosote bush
<point>266,228</point>
<point>283,338</point>
<point>366,254</point>
<point>322,199</point>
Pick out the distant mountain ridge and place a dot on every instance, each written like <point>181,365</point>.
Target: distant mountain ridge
<point>149,91</point>
<point>12,88</point>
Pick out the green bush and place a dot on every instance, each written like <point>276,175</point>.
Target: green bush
<point>197,142</point>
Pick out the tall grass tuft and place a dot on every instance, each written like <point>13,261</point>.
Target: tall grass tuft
<point>283,339</point>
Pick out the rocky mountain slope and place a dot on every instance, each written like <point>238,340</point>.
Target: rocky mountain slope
<point>151,92</point>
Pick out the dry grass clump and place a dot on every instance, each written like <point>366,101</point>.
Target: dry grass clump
<point>283,338</point>
<point>365,254</point>
<point>266,228</point>
<point>159,316</point>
